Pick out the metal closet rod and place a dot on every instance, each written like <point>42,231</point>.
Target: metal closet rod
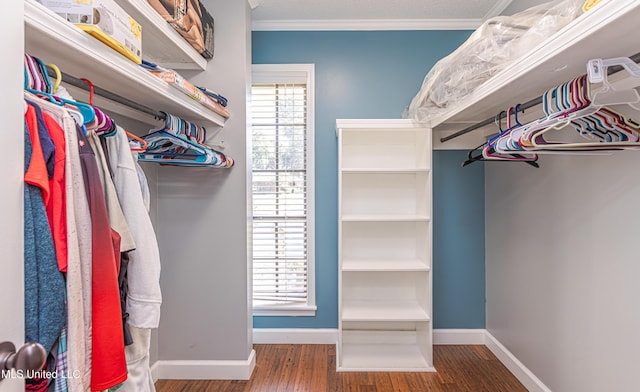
<point>72,80</point>
<point>524,106</point>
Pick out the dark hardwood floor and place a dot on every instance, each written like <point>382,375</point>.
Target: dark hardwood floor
<point>312,368</point>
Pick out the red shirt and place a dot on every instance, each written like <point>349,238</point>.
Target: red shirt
<point>57,206</point>
<point>37,174</point>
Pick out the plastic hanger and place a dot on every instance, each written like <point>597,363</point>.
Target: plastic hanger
<point>607,94</point>
<point>42,86</point>
<point>102,124</point>
<point>34,81</point>
<point>166,147</point>
<point>471,158</point>
<point>58,80</point>
<point>487,151</point>
<point>490,152</point>
<point>583,103</point>
<point>143,143</point>
<point>596,111</point>
<point>170,145</point>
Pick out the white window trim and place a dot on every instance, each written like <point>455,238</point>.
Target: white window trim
<point>297,73</point>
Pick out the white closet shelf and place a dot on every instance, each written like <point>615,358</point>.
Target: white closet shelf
<point>349,265</point>
<point>364,357</point>
<point>368,125</point>
<point>385,170</point>
<point>384,190</point>
<point>161,43</point>
<point>385,218</point>
<point>560,58</point>
<point>382,351</point>
<point>401,310</point>
<point>75,52</point>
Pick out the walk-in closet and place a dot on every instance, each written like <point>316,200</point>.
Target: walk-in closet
<point>277,195</point>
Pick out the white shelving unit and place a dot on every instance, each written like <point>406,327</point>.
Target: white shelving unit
<point>560,58</point>
<point>75,52</point>
<point>161,43</point>
<point>385,246</point>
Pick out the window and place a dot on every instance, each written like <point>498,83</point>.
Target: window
<point>282,190</point>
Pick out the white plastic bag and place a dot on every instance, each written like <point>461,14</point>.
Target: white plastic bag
<point>494,45</point>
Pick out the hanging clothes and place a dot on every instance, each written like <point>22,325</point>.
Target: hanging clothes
<point>44,285</point>
<point>143,276</point>
<point>53,158</point>
<point>78,223</point>
<point>144,297</point>
<point>117,219</point>
<point>86,219</point>
<point>138,364</point>
<point>62,364</point>
<point>142,180</point>
<point>56,208</point>
<point>118,223</point>
<point>45,312</point>
<point>108,366</point>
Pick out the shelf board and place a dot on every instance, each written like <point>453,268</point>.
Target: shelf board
<point>385,218</point>
<point>386,358</point>
<point>385,170</point>
<point>384,266</point>
<point>381,351</point>
<point>383,311</point>
<point>161,43</point>
<point>75,52</point>
<point>555,61</point>
<point>384,125</point>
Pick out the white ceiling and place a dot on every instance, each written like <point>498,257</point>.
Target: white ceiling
<point>367,14</point>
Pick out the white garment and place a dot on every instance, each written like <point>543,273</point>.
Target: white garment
<point>117,219</point>
<point>140,378</point>
<point>79,257</point>
<point>143,274</point>
<point>142,179</point>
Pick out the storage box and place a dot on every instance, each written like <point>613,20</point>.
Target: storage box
<point>104,20</point>
<point>176,80</point>
<point>191,19</point>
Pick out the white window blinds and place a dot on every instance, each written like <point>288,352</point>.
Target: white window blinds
<point>281,204</point>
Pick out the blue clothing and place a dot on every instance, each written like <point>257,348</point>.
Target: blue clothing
<point>217,97</point>
<point>44,284</point>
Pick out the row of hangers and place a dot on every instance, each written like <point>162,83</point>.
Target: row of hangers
<point>181,143</point>
<point>583,105</point>
<point>37,82</point>
<point>176,142</point>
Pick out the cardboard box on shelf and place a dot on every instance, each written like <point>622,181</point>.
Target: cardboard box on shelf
<point>176,80</point>
<point>104,20</point>
<point>192,20</point>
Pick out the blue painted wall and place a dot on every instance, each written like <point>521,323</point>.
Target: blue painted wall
<point>458,242</point>
<point>375,74</point>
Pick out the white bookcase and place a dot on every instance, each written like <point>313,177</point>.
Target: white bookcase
<point>384,246</point>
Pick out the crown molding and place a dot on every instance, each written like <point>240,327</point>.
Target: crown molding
<point>365,24</point>
<point>497,9</point>
<point>254,3</point>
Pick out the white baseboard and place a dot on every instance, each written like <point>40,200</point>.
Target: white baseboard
<point>482,336</point>
<point>154,371</point>
<point>522,373</point>
<point>241,370</point>
<point>459,336</point>
<point>206,370</point>
<point>330,336</point>
<point>295,335</point>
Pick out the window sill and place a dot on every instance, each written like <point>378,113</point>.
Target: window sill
<point>293,311</point>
